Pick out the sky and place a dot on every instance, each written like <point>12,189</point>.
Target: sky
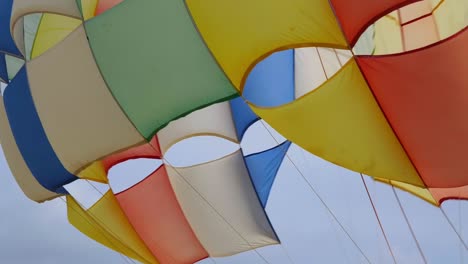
<point>40,233</point>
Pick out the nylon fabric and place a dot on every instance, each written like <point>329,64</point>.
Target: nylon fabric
<point>104,5</point>
<point>342,123</point>
<point>156,87</point>
<point>214,120</point>
<point>69,93</point>
<point>388,38</point>
<point>263,168</point>
<point>3,69</point>
<point>242,115</point>
<point>429,123</point>
<point>224,211</point>
<point>26,181</point>
<point>420,192</point>
<point>50,34</point>
<point>105,223</point>
<point>451,17</point>
<point>94,172</point>
<point>443,194</point>
<point>261,31</point>
<point>31,24</point>
<point>355,18</point>
<point>88,8</point>
<point>154,212</point>
<point>31,138</point>
<point>7,43</point>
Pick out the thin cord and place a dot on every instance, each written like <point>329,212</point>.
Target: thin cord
<point>409,225</point>
<point>378,219</point>
<point>110,241</point>
<point>453,227</point>
<point>321,200</point>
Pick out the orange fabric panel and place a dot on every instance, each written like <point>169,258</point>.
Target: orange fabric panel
<point>443,194</point>
<point>153,210</point>
<point>356,16</point>
<point>103,5</point>
<point>420,33</point>
<point>148,150</point>
<point>425,98</point>
<point>414,11</point>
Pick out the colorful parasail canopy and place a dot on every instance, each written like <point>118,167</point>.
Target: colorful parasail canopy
<point>378,87</point>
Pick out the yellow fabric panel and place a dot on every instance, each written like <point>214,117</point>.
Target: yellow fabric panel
<point>52,29</point>
<point>341,122</point>
<point>420,192</point>
<point>387,36</point>
<point>105,223</point>
<point>94,172</point>
<point>240,33</point>
<point>451,16</point>
<point>88,8</point>
<point>23,176</point>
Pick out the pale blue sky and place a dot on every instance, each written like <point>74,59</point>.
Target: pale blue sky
<point>40,233</point>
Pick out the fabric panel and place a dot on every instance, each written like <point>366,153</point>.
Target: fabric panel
<point>221,205</point>
<point>263,168</point>
<point>355,18</point>
<point>189,79</point>
<point>242,115</point>
<point>420,33</point>
<point>31,24</point>
<point>425,103</point>
<point>105,223</point>
<point>66,100</point>
<point>451,17</point>
<point>104,5</point>
<point>261,31</point>
<point>28,184</point>
<point>387,37</point>
<point>145,150</point>
<point>154,212</point>
<point>94,172</point>
<point>342,123</point>
<point>31,138</point>
<point>7,43</point>
<point>213,120</point>
<point>271,81</point>
<point>414,11</point>
<point>420,192</point>
<point>3,69</point>
<point>51,31</point>
<point>88,8</point>
<point>14,65</point>
<point>443,194</point>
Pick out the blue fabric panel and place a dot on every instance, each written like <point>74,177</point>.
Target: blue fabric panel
<point>263,167</point>
<point>243,116</point>
<point>271,81</point>
<point>31,138</point>
<point>7,44</point>
<point>3,68</point>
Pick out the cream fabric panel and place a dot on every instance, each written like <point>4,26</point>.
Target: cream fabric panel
<point>387,37</point>
<point>451,17</point>
<point>213,120</point>
<point>25,7</point>
<point>313,66</point>
<point>30,186</point>
<point>79,115</point>
<point>225,185</point>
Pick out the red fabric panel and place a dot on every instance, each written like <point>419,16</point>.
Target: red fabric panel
<point>147,150</point>
<point>103,5</point>
<point>424,96</point>
<point>443,194</point>
<point>154,212</point>
<point>356,16</point>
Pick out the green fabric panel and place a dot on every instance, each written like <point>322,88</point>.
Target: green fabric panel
<point>14,64</point>
<point>31,24</point>
<point>155,62</point>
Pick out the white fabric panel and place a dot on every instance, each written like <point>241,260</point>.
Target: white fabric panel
<point>126,174</point>
<point>225,186</point>
<point>309,73</point>
<point>212,120</point>
<point>22,8</point>
<point>79,115</point>
<point>313,66</point>
<point>30,186</point>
